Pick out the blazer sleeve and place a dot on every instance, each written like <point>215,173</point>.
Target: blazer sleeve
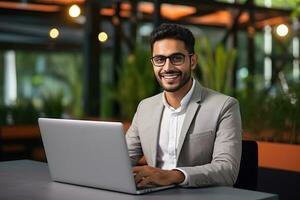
<point>224,167</point>
<point>133,140</point>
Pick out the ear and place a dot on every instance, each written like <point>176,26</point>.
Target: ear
<point>194,60</point>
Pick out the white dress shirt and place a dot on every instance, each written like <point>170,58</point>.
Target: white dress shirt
<point>170,129</point>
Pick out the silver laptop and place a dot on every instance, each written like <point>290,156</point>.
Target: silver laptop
<point>89,153</point>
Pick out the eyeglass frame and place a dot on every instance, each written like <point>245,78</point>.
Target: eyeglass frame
<point>170,59</point>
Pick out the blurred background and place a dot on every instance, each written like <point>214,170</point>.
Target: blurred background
<point>90,59</point>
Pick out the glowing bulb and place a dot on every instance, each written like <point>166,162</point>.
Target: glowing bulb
<point>74,11</point>
<point>102,37</point>
<point>54,33</point>
<point>282,30</point>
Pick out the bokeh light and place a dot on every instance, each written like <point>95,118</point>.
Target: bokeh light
<point>54,33</point>
<point>74,11</point>
<point>282,30</point>
<point>102,37</point>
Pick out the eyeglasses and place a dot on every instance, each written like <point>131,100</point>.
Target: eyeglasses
<point>176,59</point>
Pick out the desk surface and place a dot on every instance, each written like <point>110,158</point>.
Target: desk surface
<point>24,179</point>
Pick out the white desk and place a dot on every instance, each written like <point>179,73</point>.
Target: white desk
<point>30,180</point>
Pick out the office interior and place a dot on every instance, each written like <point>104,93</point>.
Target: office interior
<point>90,59</point>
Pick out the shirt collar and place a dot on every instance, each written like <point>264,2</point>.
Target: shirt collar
<point>183,103</point>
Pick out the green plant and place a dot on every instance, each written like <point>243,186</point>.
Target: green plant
<point>296,9</point>
<point>22,112</point>
<point>283,118</point>
<point>251,107</point>
<point>136,82</point>
<point>53,105</point>
<point>69,76</point>
<point>271,117</point>
<point>216,65</point>
<point>3,114</point>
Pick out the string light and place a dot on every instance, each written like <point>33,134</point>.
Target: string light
<point>54,33</point>
<point>102,37</point>
<point>282,30</point>
<point>74,11</point>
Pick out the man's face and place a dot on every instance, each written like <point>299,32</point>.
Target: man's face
<point>172,76</point>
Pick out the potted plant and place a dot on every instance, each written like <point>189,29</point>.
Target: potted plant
<point>53,104</point>
<point>216,65</point>
<point>19,133</point>
<point>271,118</point>
<point>3,114</point>
<point>273,121</point>
<point>136,82</point>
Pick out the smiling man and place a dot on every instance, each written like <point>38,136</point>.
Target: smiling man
<point>188,135</point>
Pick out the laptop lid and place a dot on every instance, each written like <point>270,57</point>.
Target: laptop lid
<point>88,153</point>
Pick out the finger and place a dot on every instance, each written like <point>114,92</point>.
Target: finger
<point>142,171</point>
<point>144,182</point>
<point>138,178</point>
<point>136,169</point>
<point>141,175</point>
<point>137,175</point>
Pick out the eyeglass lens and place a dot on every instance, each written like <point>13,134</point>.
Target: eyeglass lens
<point>175,59</point>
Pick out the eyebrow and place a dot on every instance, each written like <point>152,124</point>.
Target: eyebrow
<point>169,54</point>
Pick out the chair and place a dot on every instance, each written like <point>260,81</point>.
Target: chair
<point>247,177</point>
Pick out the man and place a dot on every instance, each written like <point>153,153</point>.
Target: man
<point>188,134</point>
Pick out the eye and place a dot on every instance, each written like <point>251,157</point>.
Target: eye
<point>177,58</point>
<point>159,59</point>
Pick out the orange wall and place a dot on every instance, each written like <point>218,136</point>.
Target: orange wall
<point>279,156</point>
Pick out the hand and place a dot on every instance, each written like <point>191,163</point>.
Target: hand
<point>146,175</point>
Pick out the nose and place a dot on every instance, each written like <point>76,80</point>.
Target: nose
<point>168,65</point>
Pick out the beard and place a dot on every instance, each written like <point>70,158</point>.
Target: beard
<point>165,80</point>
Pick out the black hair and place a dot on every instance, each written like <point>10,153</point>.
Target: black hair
<point>173,31</point>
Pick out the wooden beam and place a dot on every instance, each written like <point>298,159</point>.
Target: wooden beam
<point>251,44</point>
<point>157,16</point>
<point>117,52</point>
<point>91,59</point>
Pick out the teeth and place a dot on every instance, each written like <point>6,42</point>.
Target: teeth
<point>170,76</point>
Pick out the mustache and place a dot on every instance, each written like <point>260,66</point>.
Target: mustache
<point>170,72</point>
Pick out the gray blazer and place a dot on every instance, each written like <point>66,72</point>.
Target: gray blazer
<point>209,147</point>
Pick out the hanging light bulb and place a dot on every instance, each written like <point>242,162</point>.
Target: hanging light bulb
<point>54,33</point>
<point>102,37</point>
<point>282,30</point>
<point>74,11</point>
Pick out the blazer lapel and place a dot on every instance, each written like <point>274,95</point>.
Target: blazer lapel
<point>192,108</point>
<point>156,117</point>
